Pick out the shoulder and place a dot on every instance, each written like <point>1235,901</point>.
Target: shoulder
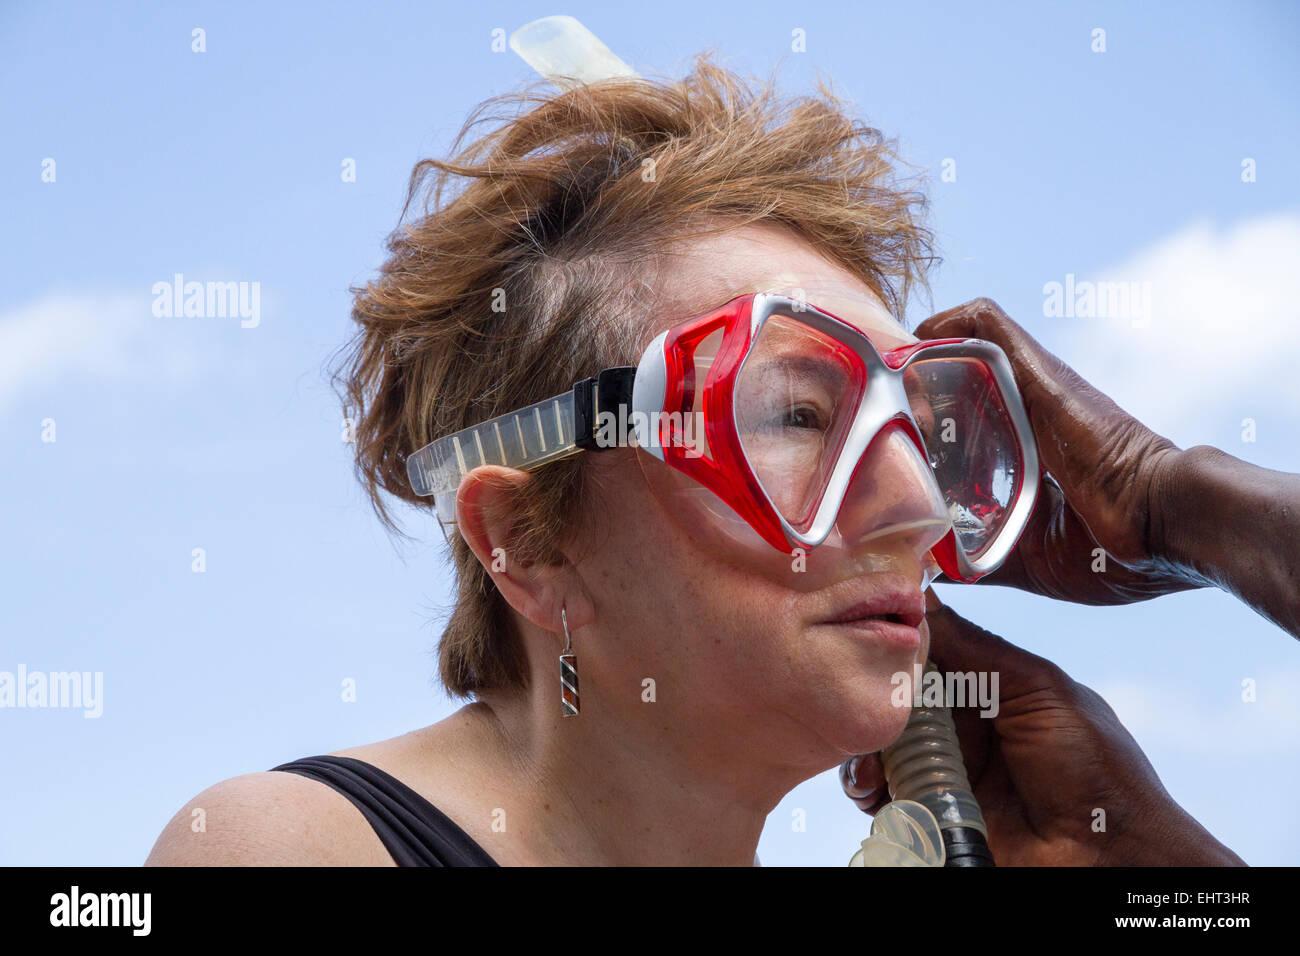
<point>269,819</point>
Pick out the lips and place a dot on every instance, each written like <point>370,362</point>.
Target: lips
<point>898,607</point>
<point>891,618</point>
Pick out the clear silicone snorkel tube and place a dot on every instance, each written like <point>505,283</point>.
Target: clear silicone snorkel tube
<point>933,819</point>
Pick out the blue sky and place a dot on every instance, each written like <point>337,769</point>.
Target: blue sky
<point>181,433</point>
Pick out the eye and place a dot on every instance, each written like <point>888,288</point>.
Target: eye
<point>804,416</point>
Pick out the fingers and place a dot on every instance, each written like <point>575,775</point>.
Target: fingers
<point>984,319</point>
<point>977,319</point>
<point>1034,367</point>
<point>1101,456</point>
<point>1046,384</point>
<point>863,780</point>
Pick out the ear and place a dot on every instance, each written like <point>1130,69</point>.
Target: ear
<point>488,518</point>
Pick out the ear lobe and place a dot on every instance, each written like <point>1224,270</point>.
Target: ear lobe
<point>487,516</point>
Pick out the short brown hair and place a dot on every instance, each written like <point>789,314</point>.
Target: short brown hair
<point>560,213</point>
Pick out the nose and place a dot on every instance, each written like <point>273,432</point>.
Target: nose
<point>893,502</point>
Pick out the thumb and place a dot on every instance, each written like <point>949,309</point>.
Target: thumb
<point>958,645</point>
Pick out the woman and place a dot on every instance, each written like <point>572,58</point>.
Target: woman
<point>714,675</point>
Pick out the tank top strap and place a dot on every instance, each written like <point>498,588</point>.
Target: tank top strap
<point>413,830</point>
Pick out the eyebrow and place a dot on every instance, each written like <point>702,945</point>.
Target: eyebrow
<point>805,367</point>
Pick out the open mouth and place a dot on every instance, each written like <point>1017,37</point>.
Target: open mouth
<point>906,616</point>
<point>891,618</point>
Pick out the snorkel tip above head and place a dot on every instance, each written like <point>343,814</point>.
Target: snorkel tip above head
<point>565,52</point>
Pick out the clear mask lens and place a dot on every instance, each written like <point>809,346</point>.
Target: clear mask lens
<point>971,443</point>
<point>796,397</point>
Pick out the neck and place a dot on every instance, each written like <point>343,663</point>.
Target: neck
<point>639,785</point>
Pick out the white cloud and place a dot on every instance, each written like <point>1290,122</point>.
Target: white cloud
<point>1171,717</point>
<point>102,336</point>
<point>1223,335</point>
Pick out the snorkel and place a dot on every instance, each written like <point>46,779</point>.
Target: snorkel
<point>934,819</point>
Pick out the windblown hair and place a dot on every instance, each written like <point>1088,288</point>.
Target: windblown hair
<point>540,266</point>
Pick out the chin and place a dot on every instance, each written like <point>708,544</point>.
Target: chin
<point>867,719</point>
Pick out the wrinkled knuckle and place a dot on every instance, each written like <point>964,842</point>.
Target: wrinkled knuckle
<point>1086,698</point>
<point>1058,680</point>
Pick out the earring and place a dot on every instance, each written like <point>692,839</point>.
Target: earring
<point>568,672</point>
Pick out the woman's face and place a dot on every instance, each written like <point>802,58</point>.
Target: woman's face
<point>792,656</point>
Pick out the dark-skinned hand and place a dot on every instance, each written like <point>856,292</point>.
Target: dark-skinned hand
<point>1106,467</point>
<point>1051,767</point>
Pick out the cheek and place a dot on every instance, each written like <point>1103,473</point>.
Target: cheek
<point>683,607</point>
<point>673,590</point>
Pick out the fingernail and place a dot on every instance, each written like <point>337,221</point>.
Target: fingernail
<point>849,778</point>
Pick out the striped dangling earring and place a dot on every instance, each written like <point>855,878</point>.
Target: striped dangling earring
<point>568,672</point>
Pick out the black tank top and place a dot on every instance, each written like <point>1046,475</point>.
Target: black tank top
<point>415,832</point>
